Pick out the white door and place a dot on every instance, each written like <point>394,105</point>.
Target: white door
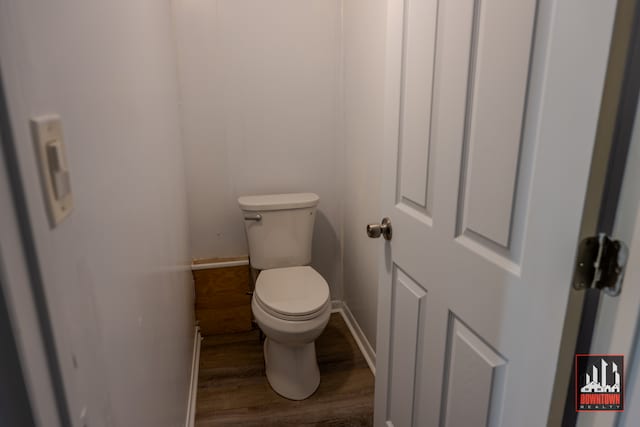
<point>491,112</point>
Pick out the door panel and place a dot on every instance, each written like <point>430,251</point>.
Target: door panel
<point>474,384</point>
<point>409,301</point>
<point>499,49</point>
<point>493,58</point>
<point>415,131</point>
<point>468,327</point>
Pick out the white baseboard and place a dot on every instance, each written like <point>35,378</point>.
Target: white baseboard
<point>193,386</point>
<point>367,351</point>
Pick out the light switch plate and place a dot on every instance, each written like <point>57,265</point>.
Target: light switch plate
<point>54,173</point>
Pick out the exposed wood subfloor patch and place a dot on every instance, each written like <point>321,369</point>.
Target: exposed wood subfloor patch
<point>233,389</point>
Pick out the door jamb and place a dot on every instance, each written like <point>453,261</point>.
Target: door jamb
<point>610,195</point>
<point>18,205</point>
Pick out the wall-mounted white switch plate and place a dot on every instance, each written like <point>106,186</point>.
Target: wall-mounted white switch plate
<point>54,173</point>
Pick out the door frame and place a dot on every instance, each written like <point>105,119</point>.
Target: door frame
<point>605,186</point>
<point>580,27</point>
<point>15,405</point>
<point>23,295</point>
<point>615,327</point>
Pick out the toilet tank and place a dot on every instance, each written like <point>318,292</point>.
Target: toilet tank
<point>279,228</point>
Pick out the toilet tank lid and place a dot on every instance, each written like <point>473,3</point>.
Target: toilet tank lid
<point>275,202</point>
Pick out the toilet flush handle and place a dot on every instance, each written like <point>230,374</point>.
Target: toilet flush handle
<point>253,217</point>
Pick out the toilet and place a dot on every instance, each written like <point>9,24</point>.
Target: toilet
<point>291,302</point>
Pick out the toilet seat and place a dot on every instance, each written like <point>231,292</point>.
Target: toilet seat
<point>292,293</point>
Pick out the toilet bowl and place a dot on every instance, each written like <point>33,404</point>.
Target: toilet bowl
<point>292,307</point>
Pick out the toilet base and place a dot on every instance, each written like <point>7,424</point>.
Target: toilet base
<point>292,370</point>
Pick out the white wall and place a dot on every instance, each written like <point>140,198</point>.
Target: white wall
<point>261,108</point>
<point>116,271</point>
<point>285,96</point>
<point>364,46</point>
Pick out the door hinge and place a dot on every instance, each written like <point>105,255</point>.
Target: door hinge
<point>600,264</point>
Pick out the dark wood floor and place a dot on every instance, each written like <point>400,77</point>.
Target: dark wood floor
<point>233,389</point>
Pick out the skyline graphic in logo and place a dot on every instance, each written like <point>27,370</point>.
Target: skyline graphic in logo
<point>599,382</point>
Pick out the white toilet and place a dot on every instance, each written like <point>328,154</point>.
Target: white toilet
<point>291,301</point>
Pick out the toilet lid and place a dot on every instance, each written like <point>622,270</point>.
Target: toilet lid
<point>292,291</point>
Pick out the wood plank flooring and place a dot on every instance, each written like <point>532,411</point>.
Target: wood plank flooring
<point>233,389</point>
